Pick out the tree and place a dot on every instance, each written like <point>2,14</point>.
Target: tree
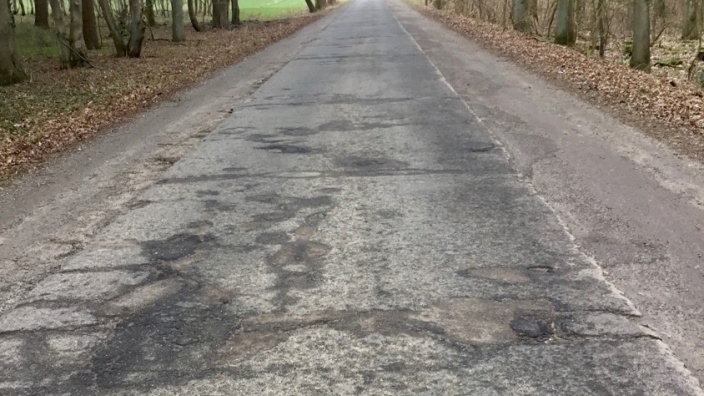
<point>524,15</point>
<point>78,54</point>
<point>120,47</point>
<point>60,29</point>
<point>41,13</point>
<point>236,13</point>
<point>311,6</point>
<point>602,26</point>
<point>220,14</point>
<point>690,27</point>
<point>640,57</point>
<point>137,27</point>
<point>193,17</point>
<point>90,26</point>
<point>320,4</point>
<point>10,69</point>
<point>565,30</point>
<point>177,33</point>
<point>149,11</point>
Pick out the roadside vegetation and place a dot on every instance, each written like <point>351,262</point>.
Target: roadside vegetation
<point>61,83</point>
<point>639,59</point>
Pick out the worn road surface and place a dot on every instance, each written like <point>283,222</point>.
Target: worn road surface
<point>352,228</point>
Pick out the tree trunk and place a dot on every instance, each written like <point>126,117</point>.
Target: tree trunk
<point>524,16</point>
<point>90,27</point>
<point>602,26</point>
<point>320,4</point>
<point>10,69</point>
<point>79,53</point>
<point>22,10</point>
<point>193,17</point>
<point>137,27</point>
<point>565,32</point>
<point>60,28</point>
<point>690,28</point>
<point>311,6</point>
<point>640,58</point>
<point>221,18</point>
<point>41,13</point>
<point>149,12</point>
<point>236,12</point>
<point>120,48</point>
<point>177,33</point>
<point>438,4</point>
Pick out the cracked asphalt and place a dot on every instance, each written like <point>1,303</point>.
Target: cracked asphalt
<point>352,228</point>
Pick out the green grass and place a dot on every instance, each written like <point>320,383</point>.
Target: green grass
<point>270,9</point>
<point>33,42</point>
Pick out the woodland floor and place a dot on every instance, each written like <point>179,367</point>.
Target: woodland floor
<point>664,104</point>
<point>55,109</point>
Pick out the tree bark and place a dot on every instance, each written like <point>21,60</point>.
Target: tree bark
<point>90,26</point>
<point>220,14</point>
<point>640,57</point>
<point>193,17</point>
<point>602,26</point>
<point>525,15</point>
<point>311,6</point>
<point>320,4</point>
<point>690,28</point>
<point>236,12</point>
<point>149,12</point>
<point>78,52</point>
<point>120,48</point>
<point>10,69</point>
<point>137,27</point>
<point>565,29</point>
<point>177,32</point>
<point>41,13</point>
<point>22,10</point>
<point>60,28</point>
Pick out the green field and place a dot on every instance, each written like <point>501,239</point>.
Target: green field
<point>270,9</point>
<point>33,42</point>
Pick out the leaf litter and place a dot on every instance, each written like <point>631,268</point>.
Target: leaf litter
<point>667,108</point>
<point>56,109</point>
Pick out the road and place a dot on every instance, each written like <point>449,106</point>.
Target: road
<point>353,227</point>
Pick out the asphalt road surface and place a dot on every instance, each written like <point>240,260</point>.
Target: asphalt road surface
<point>352,228</point>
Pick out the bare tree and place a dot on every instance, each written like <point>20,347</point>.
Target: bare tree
<point>640,57</point>
<point>193,17</point>
<point>690,27</point>
<point>78,55</point>
<point>149,12</point>
<point>41,13</point>
<point>137,27</point>
<point>602,26</point>
<point>220,14</point>
<point>120,47</point>
<point>236,12</point>
<point>90,26</point>
<point>565,29</point>
<point>177,33</point>
<point>60,29</point>
<point>311,6</point>
<point>525,15</point>
<point>10,69</point>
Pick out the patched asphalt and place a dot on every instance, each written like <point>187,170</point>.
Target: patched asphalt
<point>353,228</point>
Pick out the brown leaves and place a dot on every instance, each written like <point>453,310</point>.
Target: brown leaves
<point>58,108</point>
<point>671,112</point>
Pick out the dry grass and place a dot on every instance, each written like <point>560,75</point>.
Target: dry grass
<point>58,108</point>
<point>669,110</point>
